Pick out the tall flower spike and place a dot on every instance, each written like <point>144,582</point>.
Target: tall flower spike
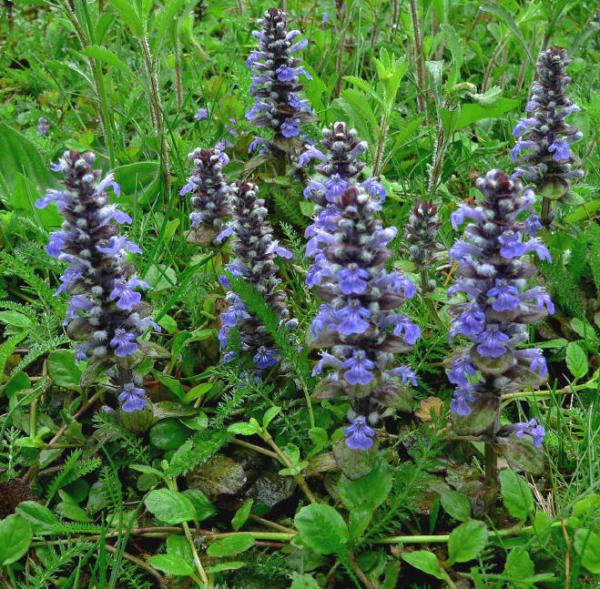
<point>210,196</point>
<point>275,84</point>
<point>421,233</point>
<point>494,275</point>
<point>105,313</point>
<point>255,252</point>
<point>543,150</point>
<point>358,324</point>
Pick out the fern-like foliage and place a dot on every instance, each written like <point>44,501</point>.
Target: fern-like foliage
<point>203,446</point>
<point>108,428</point>
<point>12,266</point>
<point>288,208</point>
<point>72,469</point>
<point>37,350</point>
<point>51,561</point>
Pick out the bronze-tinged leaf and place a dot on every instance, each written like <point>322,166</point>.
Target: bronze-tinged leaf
<point>493,366</point>
<point>480,419</point>
<point>432,406</point>
<point>201,235</point>
<point>218,476</point>
<point>521,454</point>
<point>354,463</point>
<point>394,395</point>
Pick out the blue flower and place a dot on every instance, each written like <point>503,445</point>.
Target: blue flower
<point>464,395</point>
<point>132,398</point>
<point>124,343</point>
<point>359,369</point>
<point>359,436</point>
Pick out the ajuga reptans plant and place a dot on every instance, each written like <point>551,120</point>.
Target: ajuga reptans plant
<point>255,252</point>
<point>106,314</point>
<point>357,325</point>
<point>543,151</point>
<point>495,276</point>
<point>275,83</point>
<point>210,196</point>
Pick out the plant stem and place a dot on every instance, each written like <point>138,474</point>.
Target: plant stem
<point>178,68</point>
<point>360,573</point>
<point>546,204</point>
<point>157,113</point>
<point>339,62</point>
<point>419,59</point>
<point>300,480</point>
<point>491,466</point>
<point>428,301</point>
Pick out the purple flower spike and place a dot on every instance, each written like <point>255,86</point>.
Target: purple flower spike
<point>210,196</point>
<point>359,436</point>
<point>493,274</point>
<point>276,83</point>
<point>105,312</point>
<point>358,323</point>
<point>255,263</point>
<point>548,160</point>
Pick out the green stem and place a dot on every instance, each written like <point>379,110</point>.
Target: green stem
<point>428,301</point>
<point>300,480</point>
<point>546,202</point>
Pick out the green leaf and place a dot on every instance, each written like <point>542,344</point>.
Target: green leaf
<point>244,429</point>
<point>519,564</point>
<point>231,545</point>
<point>170,506</point>
<point>105,55</point>
<point>505,16</point>
<point>516,495</point>
<point>304,582</point>
<point>15,538</point>
<point>233,565</point>
<point>371,490</point>
<point>169,434</point>
<point>64,370</point>
<point>20,156</point>
<point>42,520</point>
<point>129,15</point>
<point>577,361</point>
<point>171,564</point>
<point>467,541</point>
<point>322,528</point>
<point>425,561</point>
<point>456,505</point>
<point>242,514</point>
<point>587,546</point>
<point>15,319</point>
<point>468,114</point>
<point>269,416</point>
<point>202,504</point>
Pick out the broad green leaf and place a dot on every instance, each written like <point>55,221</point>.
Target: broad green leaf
<point>169,434</point>
<point>519,564</point>
<point>231,545</point>
<point>269,416</point>
<point>587,546</point>
<point>202,504</point>
<point>368,491</point>
<point>577,361</point>
<point>42,520</point>
<point>20,156</point>
<point>467,114</point>
<point>456,505</point>
<point>322,528</point>
<point>105,55</point>
<point>171,564</point>
<point>425,561</point>
<point>516,495</point>
<point>15,319</point>
<point>467,541</point>
<point>243,429</point>
<point>242,514</point>
<point>170,506</point>
<point>64,370</point>
<point>15,538</point>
